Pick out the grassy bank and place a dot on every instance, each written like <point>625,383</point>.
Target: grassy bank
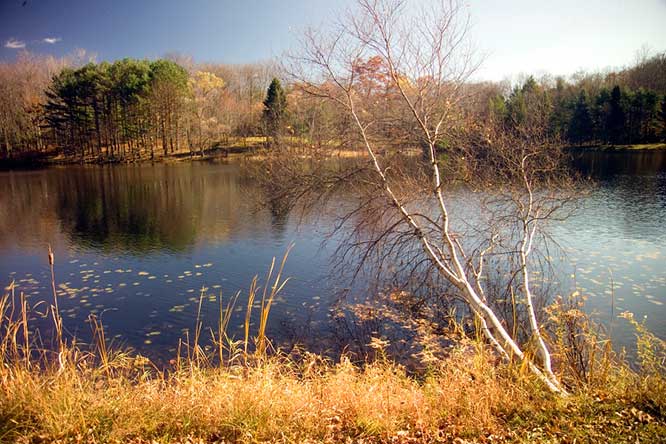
<point>245,392</point>
<point>466,399</point>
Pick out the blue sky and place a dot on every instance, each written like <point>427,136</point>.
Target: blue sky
<point>516,36</point>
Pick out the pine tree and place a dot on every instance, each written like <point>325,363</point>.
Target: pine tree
<point>561,112</point>
<point>600,113</point>
<point>616,116</point>
<point>275,109</point>
<point>662,115</point>
<point>581,125</point>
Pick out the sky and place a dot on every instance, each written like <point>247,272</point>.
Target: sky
<point>513,36</point>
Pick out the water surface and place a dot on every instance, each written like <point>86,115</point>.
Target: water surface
<point>135,245</point>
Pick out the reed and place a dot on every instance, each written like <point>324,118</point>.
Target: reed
<point>222,341</point>
<point>267,301</point>
<point>248,314</point>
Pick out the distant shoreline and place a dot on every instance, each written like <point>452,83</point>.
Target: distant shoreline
<point>42,160</point>
<point>235,152</point>
<point>620,148</point>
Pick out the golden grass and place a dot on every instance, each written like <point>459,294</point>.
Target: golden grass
<point>281,400</point>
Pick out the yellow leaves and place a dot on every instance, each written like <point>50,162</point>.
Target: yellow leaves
<point>177,308</point>
<point>205,82</point>
<point>626,315</point>
<point>404,83</point>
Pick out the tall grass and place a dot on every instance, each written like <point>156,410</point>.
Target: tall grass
<point>245,391</point>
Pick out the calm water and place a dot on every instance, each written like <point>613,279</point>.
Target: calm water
<point>135,244</point>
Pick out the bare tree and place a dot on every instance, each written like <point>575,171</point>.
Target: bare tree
<point>405,212</point>
<point>22,86</point>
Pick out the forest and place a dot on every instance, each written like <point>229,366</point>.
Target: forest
<point>625,107</point>
<point>126,110</point>
<point>75,109</point>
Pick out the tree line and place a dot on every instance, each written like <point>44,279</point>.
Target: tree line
<point>626,107</point>
<point>126,110</point>
<point>139,109</point>
<point>123,106</point>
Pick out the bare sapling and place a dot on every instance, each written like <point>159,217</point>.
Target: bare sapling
<point>409,98</point>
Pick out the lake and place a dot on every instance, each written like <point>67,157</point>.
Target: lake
<point>134,244</point>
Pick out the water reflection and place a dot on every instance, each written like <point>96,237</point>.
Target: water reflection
<point>136,244</point>
<point>601,164</point>
<point>133,209</point>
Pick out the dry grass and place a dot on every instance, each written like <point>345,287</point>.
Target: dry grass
<point>279,400</point>
<point>96,395</point>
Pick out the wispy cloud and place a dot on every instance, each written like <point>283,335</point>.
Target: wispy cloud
<point>14,44</point>
<point>51,40</point>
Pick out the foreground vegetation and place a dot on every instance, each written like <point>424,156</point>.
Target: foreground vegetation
<point>247,392</point>
<point>463,399</point>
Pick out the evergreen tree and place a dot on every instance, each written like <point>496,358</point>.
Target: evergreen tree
<point>662,118</point>
<point>275,109</point>
<point>168,87</point>
<point>561,111</point>
<point>516,108</point>
<point>65,113</point>
<point>616,116</point>
<point>581,125</point>
<point>650,117</point>
<point>600,112</point>
<point>117,110</point>
<point>497,108</point>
